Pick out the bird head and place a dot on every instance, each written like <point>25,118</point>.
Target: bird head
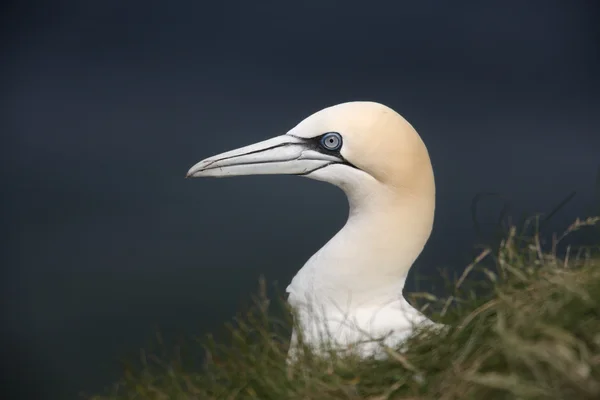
<point>347,144</point>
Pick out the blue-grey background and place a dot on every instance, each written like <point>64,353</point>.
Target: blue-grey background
<point>106,104</point>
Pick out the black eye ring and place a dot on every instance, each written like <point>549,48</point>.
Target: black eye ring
<point>331,141</point>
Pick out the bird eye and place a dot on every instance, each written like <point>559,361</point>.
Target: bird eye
<point>331,141</point>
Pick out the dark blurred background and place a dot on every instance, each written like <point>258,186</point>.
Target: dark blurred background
<point>106,104</point>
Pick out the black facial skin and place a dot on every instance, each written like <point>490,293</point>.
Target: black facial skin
<point>314,143</point>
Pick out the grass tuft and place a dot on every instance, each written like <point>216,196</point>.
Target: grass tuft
<point>531,332</point>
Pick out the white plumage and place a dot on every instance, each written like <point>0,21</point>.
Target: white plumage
<point>351,289</point>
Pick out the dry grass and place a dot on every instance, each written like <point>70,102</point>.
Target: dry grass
<point>537,335</point>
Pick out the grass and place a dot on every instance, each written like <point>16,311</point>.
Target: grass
<point>534,334</point>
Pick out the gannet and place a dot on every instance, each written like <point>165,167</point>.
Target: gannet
<point>350,291</point>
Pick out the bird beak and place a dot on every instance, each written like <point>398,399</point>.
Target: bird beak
<point>285,154</point>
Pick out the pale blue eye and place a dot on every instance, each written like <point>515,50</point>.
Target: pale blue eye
<point>331,141</point>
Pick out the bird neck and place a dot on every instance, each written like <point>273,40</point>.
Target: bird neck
<point>390,226</point>
<point>370,257</point>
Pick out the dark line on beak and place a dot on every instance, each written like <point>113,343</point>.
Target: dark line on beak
<point>252,163</point>
<point>315,169</point>
<point>311,143</point>
<point>327,165</point>
<point>252,152</point>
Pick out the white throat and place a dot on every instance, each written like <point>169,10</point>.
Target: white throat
<point>362,270</point>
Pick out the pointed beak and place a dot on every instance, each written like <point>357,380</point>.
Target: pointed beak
<point>286,154</point>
